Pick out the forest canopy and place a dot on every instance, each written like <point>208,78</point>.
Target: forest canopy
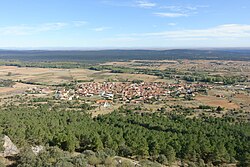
<point>155,136</point>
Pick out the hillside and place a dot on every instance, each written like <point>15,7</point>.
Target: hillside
<point>123,55</point>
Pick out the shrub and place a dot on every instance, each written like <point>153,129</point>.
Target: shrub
<point>93,160</point>
<point>109,162</point>
<point>162,159</point>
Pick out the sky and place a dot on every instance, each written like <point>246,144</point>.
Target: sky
<point>124,23</point>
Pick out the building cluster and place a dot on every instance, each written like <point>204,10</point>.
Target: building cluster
<point>64,94</point>
<point>124,92</point>
<point>137,92</point>
<point>39,90</point>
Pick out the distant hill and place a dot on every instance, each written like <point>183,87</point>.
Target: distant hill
<point>123,55</point>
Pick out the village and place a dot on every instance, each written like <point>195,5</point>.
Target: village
<point>124,92</point>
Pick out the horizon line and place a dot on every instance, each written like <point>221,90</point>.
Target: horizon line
<point>115,48</point>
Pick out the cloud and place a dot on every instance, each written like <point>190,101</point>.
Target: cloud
<point>131,3</point>
<point>172,24</point>
<point>15,30</point>
<point>171,14</point>
<point>120,39</point>
<point>179,11</point>
<point>79,23</point>
<point>228,31</point>
<point>49,27</point>
<point>20,30</point>
<point>100,29</point>
<point>28,30</point>
<point>116,3</point>
<point>145,4</point>
<point>184,8</point>
<point>228,35</point>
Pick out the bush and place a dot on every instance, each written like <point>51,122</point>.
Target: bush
<point>147,163</point>
<point>109,162</point>
<point>219,108</point>
<point>88,153</point>
<point>64,163</point>
<point>162,159</point>
<point>191,164</point>
<point>109,152</point>
<point>27,158</point>
<point>93,160</point>
<point>80,161</point>
<point>125,163</point>
<point>125,151</point>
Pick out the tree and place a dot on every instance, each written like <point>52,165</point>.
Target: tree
<point>162,159</point>
<point>220,154</point>
<point>27,158</point>
<point>154,147</point>
<point>124,151</point>
<point>107,141</point>
<point>169,152</point>
<point>201,163</point>
<point>142,148</point>
<point>245,161</point>
<point>97,142</point>
<point>219,108</point>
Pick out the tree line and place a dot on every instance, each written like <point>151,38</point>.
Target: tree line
<point>159,137</point>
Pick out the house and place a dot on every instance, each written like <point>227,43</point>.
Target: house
<point>104,103</point>
<point>107,95</point>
